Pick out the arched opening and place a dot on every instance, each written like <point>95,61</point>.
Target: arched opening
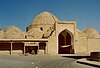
<point>65,40</point>
<point>41,28</point>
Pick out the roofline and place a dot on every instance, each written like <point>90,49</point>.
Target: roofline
<point>23,40</point>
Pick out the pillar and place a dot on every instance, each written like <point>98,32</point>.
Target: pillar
<point>46,48</point>
<point>11,48</point>
<point>24,49</point>
<point>38,49</point>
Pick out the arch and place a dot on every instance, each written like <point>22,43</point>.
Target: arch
<point>65,42</point>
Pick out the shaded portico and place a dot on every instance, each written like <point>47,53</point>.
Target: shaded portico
<point>20,44</point>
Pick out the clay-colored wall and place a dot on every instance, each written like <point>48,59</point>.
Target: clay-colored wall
<point>71,27</point>
<point>53,40</point>
<point>81,45</point>
<point>52,44</point>
<point>94,45</point>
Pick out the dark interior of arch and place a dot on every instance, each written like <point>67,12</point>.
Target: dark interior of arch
<point>64,42</point>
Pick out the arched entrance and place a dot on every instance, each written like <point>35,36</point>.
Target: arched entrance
<point>65,40</point>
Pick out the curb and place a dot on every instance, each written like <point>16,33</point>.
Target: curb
<point>87,62</point>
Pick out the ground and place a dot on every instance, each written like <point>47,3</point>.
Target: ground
<point>36,61</point>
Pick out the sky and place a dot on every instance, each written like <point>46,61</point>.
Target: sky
<point>20,13</point>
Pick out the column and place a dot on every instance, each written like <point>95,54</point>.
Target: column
<point>11,48</point>
<point>46,48</point>
<point>24,49</point>
<point>38,49</point>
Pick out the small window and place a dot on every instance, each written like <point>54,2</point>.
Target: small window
<point>41,29</point>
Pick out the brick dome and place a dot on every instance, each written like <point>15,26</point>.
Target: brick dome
<point>44,18</point>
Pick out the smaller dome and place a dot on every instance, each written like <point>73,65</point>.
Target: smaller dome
<point>89,31</point>
<point>13,28</point>
<point>2,34</point>
<point>44,18</point>
<point>13,32</point>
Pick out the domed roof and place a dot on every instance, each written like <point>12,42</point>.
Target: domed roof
<point>89,31</point>
<point>44,18</point>
<point>2,34</point>
<point>13,32</point>
<point>13,28</point>
<point>35,33</point>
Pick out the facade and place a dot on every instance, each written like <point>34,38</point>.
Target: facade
<point>49,35</point>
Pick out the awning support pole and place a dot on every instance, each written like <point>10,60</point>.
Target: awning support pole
<point>11,48</point>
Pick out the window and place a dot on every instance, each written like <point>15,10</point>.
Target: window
<point>41,29</point>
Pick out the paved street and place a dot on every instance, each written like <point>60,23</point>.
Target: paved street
<point>37,61</point>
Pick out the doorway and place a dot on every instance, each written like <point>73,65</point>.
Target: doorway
<point>32,49</point>
<point>65,42</point>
